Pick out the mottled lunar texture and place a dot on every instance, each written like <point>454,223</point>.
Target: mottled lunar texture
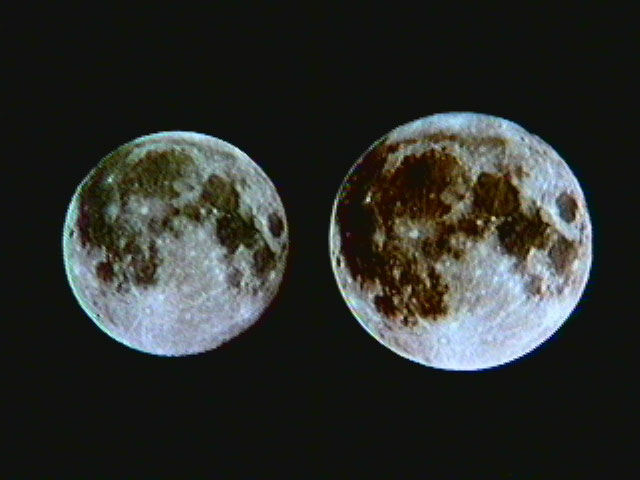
<point>461,241</point>
<point>175,243</point>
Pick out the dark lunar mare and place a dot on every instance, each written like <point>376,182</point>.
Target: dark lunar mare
<point>372,199</point>
<point>132,260</point>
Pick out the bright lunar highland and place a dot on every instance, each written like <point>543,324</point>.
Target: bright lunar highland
<point>461,241</point>
<point>175,243</point>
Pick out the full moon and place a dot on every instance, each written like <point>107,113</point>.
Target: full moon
<point>460,241</point>
<point>175,243</point>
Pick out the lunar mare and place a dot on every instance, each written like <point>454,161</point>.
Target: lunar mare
<point>460,241</point>
<point>175,243</point>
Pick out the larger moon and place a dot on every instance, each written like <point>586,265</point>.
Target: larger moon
<point>461,241</point>
<point>175,243</point>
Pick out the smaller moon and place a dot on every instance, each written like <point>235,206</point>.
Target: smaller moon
<point>461,241</point>
<point>175,243</point>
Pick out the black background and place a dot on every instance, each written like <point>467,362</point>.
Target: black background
<point>304,93</point>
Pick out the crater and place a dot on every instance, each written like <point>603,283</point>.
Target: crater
<point>276,224</point>
<point>234,278</point>
<point>263,260</point>
<point>535,285</point>
<point>104,271</point>
<point>567,207</point>
<point>562,254</point>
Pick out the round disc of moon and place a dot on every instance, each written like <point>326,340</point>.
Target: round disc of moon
<point>461,241</point>
<point>175,243</point>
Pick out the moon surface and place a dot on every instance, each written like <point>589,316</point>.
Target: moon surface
<point>175,243</point>
<point>461,241</point>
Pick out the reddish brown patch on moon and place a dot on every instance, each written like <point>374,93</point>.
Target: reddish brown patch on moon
<point>234,278</point>
<point>374,198</point>
<point>415,187</point>
<point>535,285</point>
<point>104,271</point>
<point>562,254</point>
<point>275,223</point>
<point>263,260</point>
<point>495,195</point>
<point>519,233</point>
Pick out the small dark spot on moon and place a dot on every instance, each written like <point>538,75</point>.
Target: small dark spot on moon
<point>104,271</point>
<point>562,254</point>
<point>434,248</point>
<point>276,225</point>
<point>194,212</point>
<point>234,278</point>
<point>166,224</point>
<point>145,265</point>
<point>263,260</point>
<point>567,207</point>
<point>409,322</point>
<point>384,304</point>
<point>154,226</point>
<point>534,285</point>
